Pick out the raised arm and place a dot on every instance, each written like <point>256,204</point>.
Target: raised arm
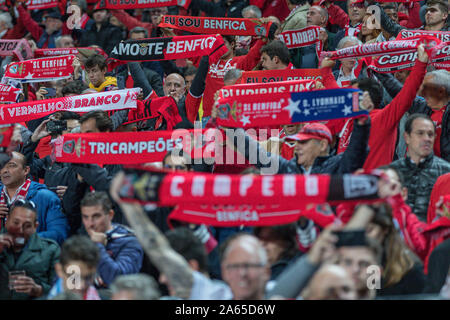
<point>156,246</point>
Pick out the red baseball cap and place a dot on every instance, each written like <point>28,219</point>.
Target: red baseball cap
<point>312,131</point>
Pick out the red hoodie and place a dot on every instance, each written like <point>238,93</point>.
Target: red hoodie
<point>383,132</point>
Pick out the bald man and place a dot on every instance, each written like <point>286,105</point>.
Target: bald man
<point>174,86</point>
<point>245,267</point>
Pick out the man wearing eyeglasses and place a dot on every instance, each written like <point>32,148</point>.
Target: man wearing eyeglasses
<point>23,251</point>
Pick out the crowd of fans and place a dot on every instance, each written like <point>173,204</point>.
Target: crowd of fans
<point>67,234</point>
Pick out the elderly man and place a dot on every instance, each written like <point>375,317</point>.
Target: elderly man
<point>306,58</point>
<point>312,151</point>
<point>244,264</point>
<point>22,249</point>
<point>420,168</point>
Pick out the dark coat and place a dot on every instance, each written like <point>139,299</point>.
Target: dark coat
<point>220,9</point>
<point>106,38</point>
<point>420,179</point>
<point>38,259</point>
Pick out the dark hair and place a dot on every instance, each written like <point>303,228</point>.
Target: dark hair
<point>399,174</point>
<point>229,38</point>
<point>414,116</point>
<point>390,5</point>
<point>277,48</point>
<point>79,248</point>
<point>373,87</point>
<point>96,60</point>
<point>92,199</point>
<point>74,87</point>
<point>443,6</point>
<point>69,115</point>
<point>139,30</point>
<point>27,204</point>
<point>179,153</point>
<point>191,70</point>
<point>286,233</point>
<point>102,121</point>
<point>376,248</point>
<point>184,241</point>
<point>298,2</point>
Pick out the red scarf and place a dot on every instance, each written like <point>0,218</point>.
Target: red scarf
<point>280,75</point>
<point>135,4</point>
<point>380,48</point>
<point>41,70</point>
<point>64,51</point>
<point>441,35</point>
<point>21,193</point>
<point>40,4</point>
<point>168,189</point>
<point>213,25</point>
<point>9,93</point>
<point>15,47</point>
<point>29,110</point>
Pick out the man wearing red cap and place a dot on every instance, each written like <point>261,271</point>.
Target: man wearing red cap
<point>312,151</point>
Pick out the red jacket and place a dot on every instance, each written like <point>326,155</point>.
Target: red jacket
<point>441,187</point>
<point>421,237</point>
<point>412,20</point>
<point>383,133</point>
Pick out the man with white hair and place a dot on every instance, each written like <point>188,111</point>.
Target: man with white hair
<point>65,41</point>
<point>350,68</point>
<point>436,91</point>
<point>5,25</point>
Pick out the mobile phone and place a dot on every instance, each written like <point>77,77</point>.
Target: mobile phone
<point>351,238</point>
<point>51,92</point>
<point>52,188</point>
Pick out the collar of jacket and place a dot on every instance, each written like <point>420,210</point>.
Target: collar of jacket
<point>317,161</point>
<point>424,163</point>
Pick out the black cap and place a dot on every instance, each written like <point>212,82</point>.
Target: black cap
<point>53,14</point>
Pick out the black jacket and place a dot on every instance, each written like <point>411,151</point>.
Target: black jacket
<point>106,38</point>
<point>151,76</point>
<point>420,179</point>
<point>65,174</point>
<point>347,162</point>
<point>393,87</point>
<point>221,9</point>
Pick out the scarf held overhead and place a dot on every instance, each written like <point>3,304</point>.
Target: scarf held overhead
<point>136,4</point>
<point>289,108</point>
<point>9,93</point>
<point>20,48</point>
<point>302,38</point>
<point>40,4</point>
<point>170,48</point>
<point>280,75</point>
<point>168,189</point>
<point>51,52</point>
<point>29,110</point>
<point>211,25</point>
<point>381,48</point>
<point>41,70</point>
